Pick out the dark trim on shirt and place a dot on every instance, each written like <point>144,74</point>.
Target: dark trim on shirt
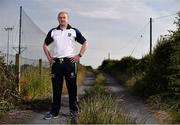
<point>79,37</point>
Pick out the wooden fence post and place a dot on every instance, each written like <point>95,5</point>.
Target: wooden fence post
<point>40,66</point>
<point>17,71</point>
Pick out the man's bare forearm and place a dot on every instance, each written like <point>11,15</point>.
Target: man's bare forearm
<point>46,51</point>
<point>83,48</point>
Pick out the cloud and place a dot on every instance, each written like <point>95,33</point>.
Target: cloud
<point>117,9</point>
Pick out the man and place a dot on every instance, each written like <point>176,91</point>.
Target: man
<point>63,61</point>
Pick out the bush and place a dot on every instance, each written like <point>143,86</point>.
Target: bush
<point>163,76</point>
<point>126,70</point>
<point>9,96</point>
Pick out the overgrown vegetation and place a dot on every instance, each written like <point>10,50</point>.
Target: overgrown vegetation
<point>9,96</point>
<point>155,77</point>
<point>33,85</point>
<point>37,86</point>
<point>99,107</point>
<point>124,70</point>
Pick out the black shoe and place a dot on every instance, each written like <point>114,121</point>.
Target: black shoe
<point>49,116</point>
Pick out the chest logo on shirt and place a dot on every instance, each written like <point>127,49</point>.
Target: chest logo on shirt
<point>69,34</point>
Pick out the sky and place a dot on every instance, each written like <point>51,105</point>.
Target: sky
<point>113,28</point>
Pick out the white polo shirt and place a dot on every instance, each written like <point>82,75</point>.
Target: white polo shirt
<point>64,41</point>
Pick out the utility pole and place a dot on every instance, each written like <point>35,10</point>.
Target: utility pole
<point>20,27</point>
<point>18,55</point>
<point>8,29</point>
<point>150,36</point>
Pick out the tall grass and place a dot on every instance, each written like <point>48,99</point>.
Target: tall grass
<point>99,107</point>
<point>37,86</point>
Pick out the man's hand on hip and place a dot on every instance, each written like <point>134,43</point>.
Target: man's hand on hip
<point>74,59</point>
<point>51,60</point>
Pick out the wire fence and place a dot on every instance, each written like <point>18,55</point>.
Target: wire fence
<point>24,61</point>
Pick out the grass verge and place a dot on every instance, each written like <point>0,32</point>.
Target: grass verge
<point>99,107</point>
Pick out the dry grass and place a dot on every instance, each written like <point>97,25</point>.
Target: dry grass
<point>102,109</point>
<point>36,86</point>
<point>163,117</point>
<point>99,107</point>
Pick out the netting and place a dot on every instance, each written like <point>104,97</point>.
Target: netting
<point>32,38</point>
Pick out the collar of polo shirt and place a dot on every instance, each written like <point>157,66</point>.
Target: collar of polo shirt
<point>68,27</point>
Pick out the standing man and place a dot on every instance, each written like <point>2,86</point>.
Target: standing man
<point>63,61</point>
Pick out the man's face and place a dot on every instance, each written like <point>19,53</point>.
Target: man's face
<point>63,19</point>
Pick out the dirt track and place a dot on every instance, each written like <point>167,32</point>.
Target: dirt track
<point>135,107</point>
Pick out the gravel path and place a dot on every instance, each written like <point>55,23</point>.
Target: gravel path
<point>135,107</point>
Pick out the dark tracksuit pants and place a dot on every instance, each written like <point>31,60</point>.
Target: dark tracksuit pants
<point>63,68</point>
